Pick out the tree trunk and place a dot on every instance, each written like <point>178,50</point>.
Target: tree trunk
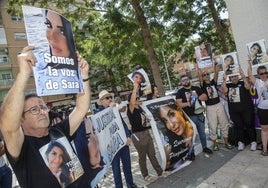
<point>220,29</point>
<point>146,34</point>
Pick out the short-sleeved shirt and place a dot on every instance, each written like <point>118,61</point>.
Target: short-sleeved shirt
<point>262,89</point>
<point>239,98</point>
<point>135,119</point>
<point>31,169</point>
<point>189,95</point>
<point>212,92</point>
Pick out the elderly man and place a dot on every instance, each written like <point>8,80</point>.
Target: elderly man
<point>105,101</point>
<point>24,123</point>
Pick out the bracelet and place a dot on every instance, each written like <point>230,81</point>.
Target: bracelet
<point>85,80</point>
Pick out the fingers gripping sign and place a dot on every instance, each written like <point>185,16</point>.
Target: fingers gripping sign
<point>26,60</point>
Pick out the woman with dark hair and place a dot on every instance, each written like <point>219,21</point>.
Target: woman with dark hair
<point>179,132</point>
<point>61,42</point>
<point>138,77</point>
<point>229,64</point>
<point>59,163</point>
<point>256,53</point>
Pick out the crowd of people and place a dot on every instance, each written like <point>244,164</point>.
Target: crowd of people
<point>38,142</point>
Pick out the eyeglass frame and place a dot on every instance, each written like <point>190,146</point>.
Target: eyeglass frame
<point>39,108</point>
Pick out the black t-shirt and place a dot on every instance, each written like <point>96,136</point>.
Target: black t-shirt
<point>239,98</point>
<point>212,93</point>
<point>135,120</point>
<point>189,95</point>
<point>31,169</point>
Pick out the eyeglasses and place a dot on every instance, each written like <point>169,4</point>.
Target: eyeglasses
<point>109,97</point>
<point>36,110</point>
<point>262,73</point>
<point>205,74</point>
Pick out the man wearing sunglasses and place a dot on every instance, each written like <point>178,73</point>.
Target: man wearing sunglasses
<point>186,98</point>
<point>25,125</point>
<point>241,109</point>
<point>214,108</point>
<point>106,100</point>
<point>261,85</point>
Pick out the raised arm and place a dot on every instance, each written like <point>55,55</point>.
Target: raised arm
<point>251,77</point>
<point>13,104</point>
<point>246,81</point>
<point>199,71</point>
<point>133,97</point>
<point>82,100</point>
<point>223,87</point>
<point>216,73</point>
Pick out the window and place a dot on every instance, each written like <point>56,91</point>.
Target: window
<point>6,76</point>
<point>3,59</point>
<point>20,36</point>
<point>16,18</point>
<point>3,39</point>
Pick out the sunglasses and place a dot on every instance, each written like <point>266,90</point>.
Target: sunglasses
<point>232,76</point>
<point>185,80</point>
<point>109,97</point>
<point>263,73</point>
<point>205,74</point>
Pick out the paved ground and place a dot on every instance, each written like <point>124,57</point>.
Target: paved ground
<point>223,169</point>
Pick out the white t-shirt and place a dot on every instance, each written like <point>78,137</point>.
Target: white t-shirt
<point>262,89</point>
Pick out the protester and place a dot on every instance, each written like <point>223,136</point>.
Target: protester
<point>261,85</point>
<point>24,123</point>
<point>241,109</point>
<point>106,100</point>
<point>186,98</point>
<point>215,112</point>
<point>141,137</point>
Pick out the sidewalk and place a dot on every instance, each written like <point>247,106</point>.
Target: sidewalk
<point>223,169</point>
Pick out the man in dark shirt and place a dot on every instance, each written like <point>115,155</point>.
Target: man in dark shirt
<point>24,123</point>
<point>214,108</point>
<point>186,98</point>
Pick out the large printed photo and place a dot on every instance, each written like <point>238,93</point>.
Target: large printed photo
<point>174,132</point>
<point>56,70</point>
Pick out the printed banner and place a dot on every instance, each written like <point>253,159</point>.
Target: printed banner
<point>111,136</point>
<point>56,71</point>
<point>173,130</point>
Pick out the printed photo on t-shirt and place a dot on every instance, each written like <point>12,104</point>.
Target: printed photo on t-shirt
<point>234,95</point>
<point>212,92</point>
<point>265,95</point>
<point>62,161</point>
<point>191,96</point>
